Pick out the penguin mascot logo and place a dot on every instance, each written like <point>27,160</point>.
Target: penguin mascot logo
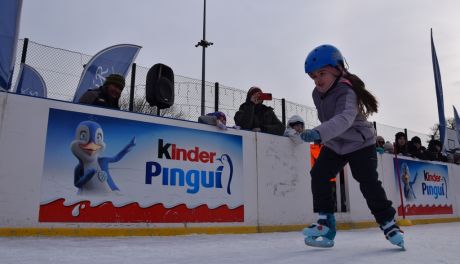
<point>408,183</point>
<point>92,175</point>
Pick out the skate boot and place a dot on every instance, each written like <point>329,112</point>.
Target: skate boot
<point>393,233</point>
<point>322,233</point>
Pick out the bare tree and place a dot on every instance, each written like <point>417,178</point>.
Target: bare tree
<point>450,123</point>
<point>141,106</point>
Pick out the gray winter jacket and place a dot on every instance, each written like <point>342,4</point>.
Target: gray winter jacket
<point>343,129</point>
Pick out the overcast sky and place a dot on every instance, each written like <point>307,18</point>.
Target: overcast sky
<point>265,42</point>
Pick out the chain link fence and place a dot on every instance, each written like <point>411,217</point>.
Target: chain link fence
<point>61,69</point>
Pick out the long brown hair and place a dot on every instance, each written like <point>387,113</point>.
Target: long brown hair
<point>367,103</point>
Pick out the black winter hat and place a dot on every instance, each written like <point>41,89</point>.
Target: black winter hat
<point>252,90</point>
<point>115,79</point>
<point>416,140</point>
<point>400,134</point>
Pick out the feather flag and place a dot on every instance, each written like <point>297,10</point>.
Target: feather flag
<point>10,14</point>
<point>30,82</point>
<point>115,59</point>
<point>457,123</point>
<point>439,94</point>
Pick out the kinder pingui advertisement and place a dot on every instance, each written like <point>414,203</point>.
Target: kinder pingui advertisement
<point>424,187</point>
<point>106,169</point>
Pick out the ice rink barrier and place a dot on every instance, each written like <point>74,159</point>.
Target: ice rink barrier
<point>260,183</point>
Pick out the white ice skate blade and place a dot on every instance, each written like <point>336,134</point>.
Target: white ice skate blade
<point>323,243</point>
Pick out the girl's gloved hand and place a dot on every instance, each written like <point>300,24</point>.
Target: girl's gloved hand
<point>310,135</point>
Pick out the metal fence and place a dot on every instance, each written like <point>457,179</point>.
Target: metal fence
<point>61,69</point>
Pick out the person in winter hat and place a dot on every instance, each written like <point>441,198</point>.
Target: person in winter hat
<point>255,116</point>
<point>388,147</point>
<point>295,127</point>
<point>401,144</point>
<point>343,105</point>
<point>379,143</point>
<point>416,149</point>
<point>107,95</point>
<point>216,118</point>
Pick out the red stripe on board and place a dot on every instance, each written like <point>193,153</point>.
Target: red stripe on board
<point>106,212</point>
<point>426,209</point>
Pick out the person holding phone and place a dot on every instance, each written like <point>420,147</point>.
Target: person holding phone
<point>255,116</point>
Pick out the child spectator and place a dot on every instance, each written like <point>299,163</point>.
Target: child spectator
<point>434,151</point>
<point>295,126</point>
<point>379,143</point>
<point>401,144</point>
<point>416,149</point>
<point>388,147</point>
<point>216,119</point>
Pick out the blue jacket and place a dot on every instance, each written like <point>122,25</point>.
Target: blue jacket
<point>343,129</point>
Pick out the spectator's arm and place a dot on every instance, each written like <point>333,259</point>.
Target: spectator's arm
<point>245,116</point>
<point>275,127</point>
<point>88,97</point>
<point>205,119</point>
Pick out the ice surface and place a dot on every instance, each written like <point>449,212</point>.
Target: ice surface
<point>435,243</point>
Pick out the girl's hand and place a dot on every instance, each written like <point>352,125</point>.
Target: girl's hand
<point>310,135</point>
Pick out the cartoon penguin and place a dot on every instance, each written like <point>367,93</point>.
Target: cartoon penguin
<point>91,175</point>
<point>408,184</point>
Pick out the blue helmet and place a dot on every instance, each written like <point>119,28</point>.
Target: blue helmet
<point>322,56</point>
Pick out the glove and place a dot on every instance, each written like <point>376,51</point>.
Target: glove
<point>221,125</point>
<point>310,135</point>
<point>295,137</point>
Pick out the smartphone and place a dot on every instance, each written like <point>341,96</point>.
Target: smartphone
<point>265,96</point>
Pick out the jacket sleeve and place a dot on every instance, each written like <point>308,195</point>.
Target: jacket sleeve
<point>210,120</point>
<point>88,97</point>
<point>244,117</point>
<point>275,127</point>
<point>345,114</point>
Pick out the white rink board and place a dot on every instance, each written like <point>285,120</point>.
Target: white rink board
<point>276,172</point>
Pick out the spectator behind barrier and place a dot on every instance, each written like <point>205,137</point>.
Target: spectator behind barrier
<point>416,149</point>
<point>107,95</point>
<point>434,151</point>
<point>388,147</point>
<point>295,127</point>
<point>216,119</point>
<point>255,116</point>
<point>401,144</point>
<point>379,143</point>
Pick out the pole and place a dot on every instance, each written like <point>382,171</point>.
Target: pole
<point>203,43</point>
<point>131,91</point>
<point>399,183</point>
<point>283,111</point>
<point>203,65</point>
<point>216,97</point>
<point>24,50</point>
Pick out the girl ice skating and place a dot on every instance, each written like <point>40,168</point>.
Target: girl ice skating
<point>343,105</point>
